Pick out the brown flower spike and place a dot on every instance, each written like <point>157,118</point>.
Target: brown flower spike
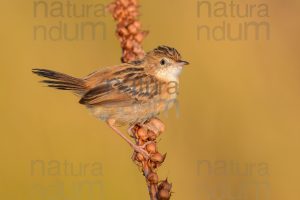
<point>129,32</point>
<point>146,136</point>
<point>130,35</point>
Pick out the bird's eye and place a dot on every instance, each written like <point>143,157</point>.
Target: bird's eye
<point>162,62</point>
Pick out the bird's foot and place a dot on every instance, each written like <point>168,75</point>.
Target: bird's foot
<point>144,145</point>
<point>141,150</point>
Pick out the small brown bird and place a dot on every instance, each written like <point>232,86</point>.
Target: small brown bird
<point>130,93</point>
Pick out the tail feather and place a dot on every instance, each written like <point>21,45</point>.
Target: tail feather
<point>61,81</point>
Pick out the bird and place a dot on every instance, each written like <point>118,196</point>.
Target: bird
<point>128,93</point>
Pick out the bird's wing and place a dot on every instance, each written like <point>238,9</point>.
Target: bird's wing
<point>128,86</point>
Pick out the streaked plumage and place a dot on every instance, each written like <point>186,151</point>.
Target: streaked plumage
<point>128,93</point>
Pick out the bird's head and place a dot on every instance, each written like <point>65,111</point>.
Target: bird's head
<point>164,62</point>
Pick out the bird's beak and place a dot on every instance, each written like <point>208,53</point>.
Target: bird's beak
<point>182,63</point>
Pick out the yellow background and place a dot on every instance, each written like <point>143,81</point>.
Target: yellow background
<point>239,101</point>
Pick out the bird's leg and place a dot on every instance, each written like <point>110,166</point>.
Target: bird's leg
<point>137,148</point>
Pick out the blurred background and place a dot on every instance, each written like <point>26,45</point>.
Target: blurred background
<point>236,134</point>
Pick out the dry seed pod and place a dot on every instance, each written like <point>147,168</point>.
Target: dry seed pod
<point>139,157</point>
<point>157,157</point>
<point>152,178</point>
<point>151,148</point>
<point>129,44</point>
<point>142,134</point>
<point>131,8</point>
<point>123,31</point>
<point>152,165</point>
<point>160,127</point>
<point>132,29</point>
<point>125,13</point>
<point>139,37</point>
<point>151,135</point>
<point>135,129</point>
<point>140,142</point>
<point>164,195</point>
<point>165,185</point>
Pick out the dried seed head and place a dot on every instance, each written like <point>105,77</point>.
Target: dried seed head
<point>130,35</point>
<point>125,13</point>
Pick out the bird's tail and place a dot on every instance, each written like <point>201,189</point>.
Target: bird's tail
<point>61,81</point>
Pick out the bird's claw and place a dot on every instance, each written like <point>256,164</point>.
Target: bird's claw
<point>141,150</point>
